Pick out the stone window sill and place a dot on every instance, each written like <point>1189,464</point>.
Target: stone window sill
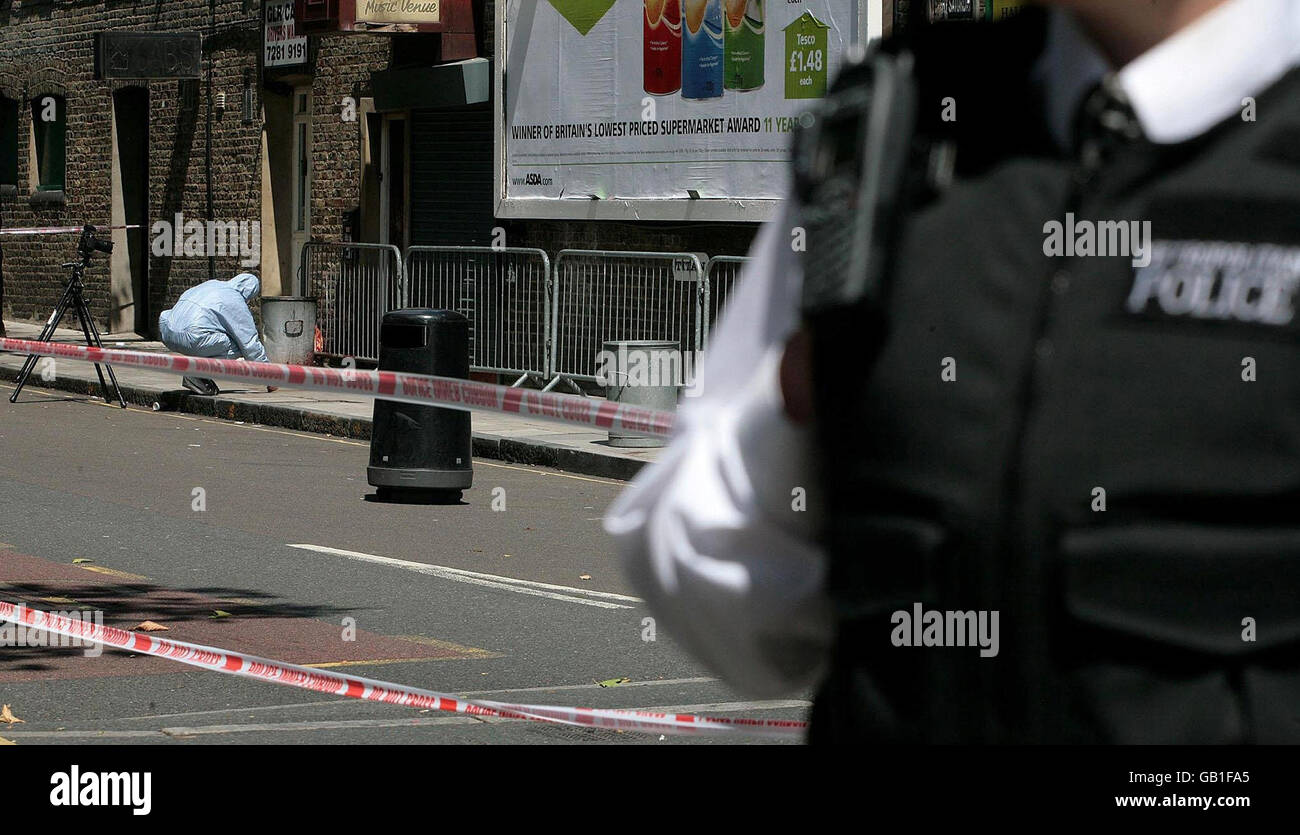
<point>48,198</point>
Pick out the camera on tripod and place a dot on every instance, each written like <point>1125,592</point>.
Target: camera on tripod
<point>74,298</point>
<point>89,244</point>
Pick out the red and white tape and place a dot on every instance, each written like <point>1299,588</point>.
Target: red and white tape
<point>57,230</point>
<point>356,687</point>
<point>422,389</point>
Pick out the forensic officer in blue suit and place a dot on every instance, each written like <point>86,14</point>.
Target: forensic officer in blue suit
<point>213,320</point>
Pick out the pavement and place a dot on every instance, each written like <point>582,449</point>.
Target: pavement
<point>268,541</point>
<point>496,436</point>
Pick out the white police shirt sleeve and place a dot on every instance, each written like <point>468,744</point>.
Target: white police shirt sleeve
<point>718,535</point>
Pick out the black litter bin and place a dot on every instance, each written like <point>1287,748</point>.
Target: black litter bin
<point>421,448</point>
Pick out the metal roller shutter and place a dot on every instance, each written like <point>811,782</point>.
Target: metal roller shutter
<point>451,176</point>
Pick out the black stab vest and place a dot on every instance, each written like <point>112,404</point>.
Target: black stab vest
<point>1168,394</point>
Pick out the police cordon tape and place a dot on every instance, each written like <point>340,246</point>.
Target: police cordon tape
<point>57,230</point>
<point>421,389</point>
<point>356,687</point>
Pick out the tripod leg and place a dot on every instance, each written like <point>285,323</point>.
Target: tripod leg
<point>46,334</point>
<point>121,401</point>
<point>85,329</point>
<point>91,331</point>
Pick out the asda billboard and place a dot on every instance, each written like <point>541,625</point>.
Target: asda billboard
<point>659,109</point>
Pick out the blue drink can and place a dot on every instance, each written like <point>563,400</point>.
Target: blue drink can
<point>702,49</point>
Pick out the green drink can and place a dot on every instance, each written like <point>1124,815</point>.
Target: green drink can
<point>743,25</point>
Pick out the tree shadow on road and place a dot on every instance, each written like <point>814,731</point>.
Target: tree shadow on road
<point>126,605</point>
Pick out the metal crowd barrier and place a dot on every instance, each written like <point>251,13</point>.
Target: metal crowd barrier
<point>605,295</point>
<point>722,274</point>
<point>356,284</point>
<point>529,317</point>
<point>505,292</point>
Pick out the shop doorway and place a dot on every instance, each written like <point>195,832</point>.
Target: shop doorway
<point>392,183</point>
<point>302,176</point>
<point>129,264</point>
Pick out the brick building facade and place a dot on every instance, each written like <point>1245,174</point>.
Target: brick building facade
<point>149,150</point>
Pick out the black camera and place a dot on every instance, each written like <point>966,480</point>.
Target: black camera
<point>89,244</point>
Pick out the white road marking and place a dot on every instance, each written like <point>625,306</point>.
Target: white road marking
<point>249,709</point>
<point>464,694</point>
<point>460,575</point>
<point>91,734</point>
<point>345,724</point>
<point>473,694</point>
<point>705,708</point>
<point>423,721</point>
<point>335,725</point>
<point>728,707</point>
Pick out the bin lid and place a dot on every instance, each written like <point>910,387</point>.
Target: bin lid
<point>421,316</point>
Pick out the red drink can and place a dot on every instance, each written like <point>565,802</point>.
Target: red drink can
<point>663,46</point>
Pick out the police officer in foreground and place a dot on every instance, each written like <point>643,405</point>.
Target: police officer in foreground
<point>1036,381</point>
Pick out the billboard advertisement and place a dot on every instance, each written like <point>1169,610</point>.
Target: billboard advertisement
<point>658,109</point>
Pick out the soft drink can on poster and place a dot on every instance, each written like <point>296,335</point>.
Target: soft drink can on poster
<point>663,46</point>
<point>702,50</point>
<point>744,44</point>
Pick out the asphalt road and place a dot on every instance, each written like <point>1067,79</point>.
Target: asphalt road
<point>230,535</point>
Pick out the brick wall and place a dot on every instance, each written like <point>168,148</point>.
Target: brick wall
<point>48,48</point>
<point>343,67</point>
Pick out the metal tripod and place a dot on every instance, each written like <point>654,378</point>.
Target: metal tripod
<point>73,296</point>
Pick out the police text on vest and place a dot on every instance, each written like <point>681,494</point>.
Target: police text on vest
<point>1241,282</point>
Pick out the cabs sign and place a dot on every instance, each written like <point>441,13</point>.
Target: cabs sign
<point>399,11</point>
<point>282,46</point>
